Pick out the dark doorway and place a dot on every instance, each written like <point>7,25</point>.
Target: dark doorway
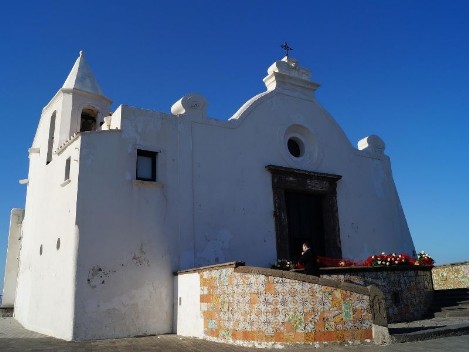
<point>305,209</point>
<point>305,222</point>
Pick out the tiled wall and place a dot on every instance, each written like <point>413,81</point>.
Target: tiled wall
<point>408,292</point>
<point>451,276</point>
<point>246,308</point>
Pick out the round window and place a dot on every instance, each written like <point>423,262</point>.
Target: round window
<point>299,146</point>
<point>295,147</point>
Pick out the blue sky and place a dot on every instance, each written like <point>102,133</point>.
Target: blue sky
<point>398,69</point>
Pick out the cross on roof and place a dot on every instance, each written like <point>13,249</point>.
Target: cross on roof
<point>285,47</point>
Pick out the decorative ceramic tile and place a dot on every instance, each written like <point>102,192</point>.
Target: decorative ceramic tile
<point>367,324</point>
<point>305,303</point>
<point>310,327</point>
<point>325,301</point>
<point>348,324</point>
<point>361,301</point>
<point>265,302</point>
<point>283,300</point>
<point>413,288</point>
<point>297,321</point>
<point>293,302</point>
<point>451,276</point>
<point>336,298</point>
<point>337,316</point>
<point>281,282</point>
<point>329,325</point>
<point>251,307</point>
<point>347,310</point>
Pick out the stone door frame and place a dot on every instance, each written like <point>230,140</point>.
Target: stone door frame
<point>288,179</point>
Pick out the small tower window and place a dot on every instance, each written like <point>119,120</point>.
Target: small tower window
<point>67,169</point>
<point>146,165</point>
<point>88,120</point>
<point>50,142</point>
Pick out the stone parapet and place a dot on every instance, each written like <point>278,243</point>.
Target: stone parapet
<point>450,276</point>
<point>408,290</point>
<point>264,307</point>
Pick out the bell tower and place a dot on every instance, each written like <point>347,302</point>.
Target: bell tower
<point>79,106</point>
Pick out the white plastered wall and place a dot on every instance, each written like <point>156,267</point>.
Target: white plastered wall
<point>233,204</point>
<point>12,259</point>
<point>128,230</point>
<point>46,282</point>
<point>45,299</point>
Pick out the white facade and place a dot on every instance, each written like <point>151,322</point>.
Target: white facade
<point>13,256</point>
<point>100,246</point>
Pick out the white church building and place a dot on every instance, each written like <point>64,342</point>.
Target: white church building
<point>117,202</point>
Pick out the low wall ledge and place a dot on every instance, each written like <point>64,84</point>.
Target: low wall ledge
<point>351,269</point>
<point>302,277</point>
<point>210,267</point>
<point>450,264</point>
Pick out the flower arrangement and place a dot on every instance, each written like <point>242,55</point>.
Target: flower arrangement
<point>393,259</point>
<point>379,260</point>
<point>424,259</point>
<point>283,264</point>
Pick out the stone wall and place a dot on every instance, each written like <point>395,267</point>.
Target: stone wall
<point>408,291</point>
<point>255,306</point>
<point>450,276</point>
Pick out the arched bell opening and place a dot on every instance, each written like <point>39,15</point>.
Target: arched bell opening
<point>88,119</point>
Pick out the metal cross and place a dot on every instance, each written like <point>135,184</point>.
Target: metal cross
<point>285,47</point>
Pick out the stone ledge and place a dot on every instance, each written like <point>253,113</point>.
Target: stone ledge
<point>210,267</point>
<point>346,269</point>
<point>152,184</point>
<point>302,277</point>
<point>450,265</point>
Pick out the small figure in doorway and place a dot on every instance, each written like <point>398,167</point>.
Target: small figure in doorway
<point>309,260</point>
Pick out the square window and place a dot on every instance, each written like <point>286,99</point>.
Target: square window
<point>146,165</point>
<point>67,169</point>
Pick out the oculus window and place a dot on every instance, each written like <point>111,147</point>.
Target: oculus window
<point>146,165</point>
<point>295,147</point>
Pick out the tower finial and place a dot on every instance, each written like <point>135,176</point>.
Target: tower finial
<point>285,47</point>
<point>82,53</point>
